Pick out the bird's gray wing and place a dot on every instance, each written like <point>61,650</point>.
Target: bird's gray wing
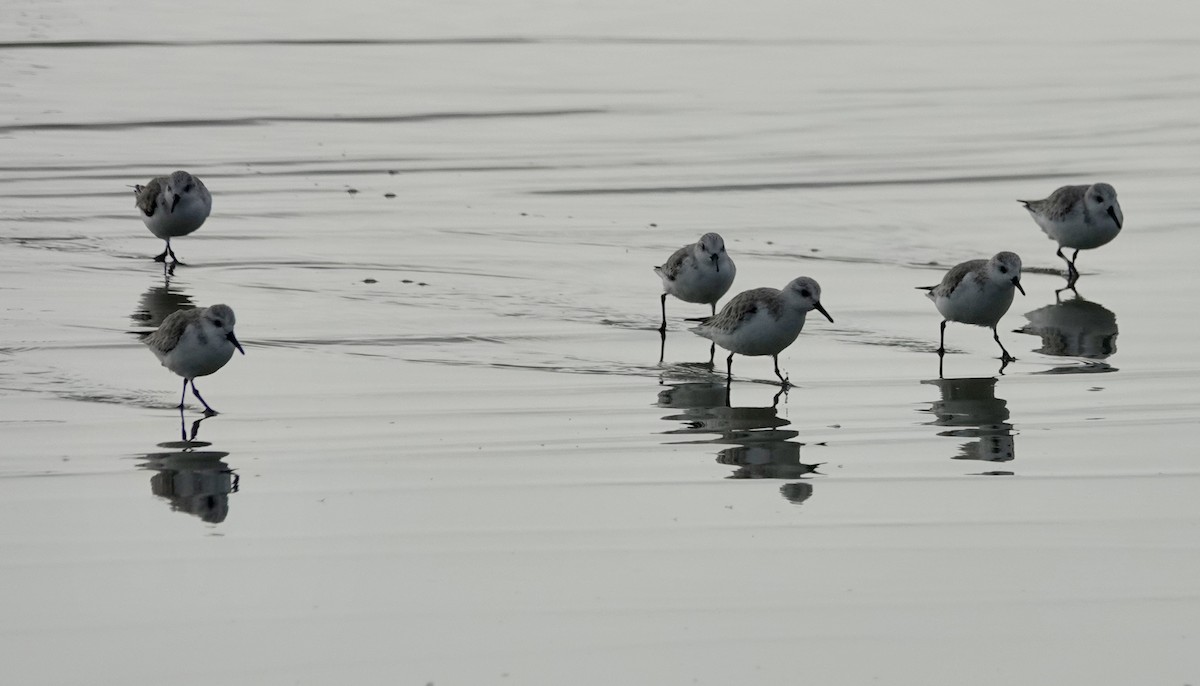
<point>1058,204</point>
<point>147,196</point>
<point>955,276</point>
<point>166,337</point>
<point>674,264</point>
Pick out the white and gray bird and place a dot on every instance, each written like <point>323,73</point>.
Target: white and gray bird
<point>1079,218</point>
<point>763,321</point>
<point>173,206</point>
<point>701,272</point>
<point>977,292</point>
<point>195,342</point>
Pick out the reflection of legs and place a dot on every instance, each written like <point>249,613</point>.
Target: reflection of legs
<point>995,334</point>
<point>663,328</point>
<point>942,342</point>
<point>782,380</point>
<point>196,393</point>
<point>729,368</point>
<point>662,346</point>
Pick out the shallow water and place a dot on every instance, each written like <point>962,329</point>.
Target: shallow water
<point>451,453</point>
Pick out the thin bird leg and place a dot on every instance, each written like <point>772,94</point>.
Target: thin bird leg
<point>995,334</point>
<point>175,260</point>
<point>782,380</point>
<point>663,328</point>
<point>942,344</point>
<point>183,397</point>
<point>662,346</point>
<point>729,368</point>
<point>712,354</point>
<point>1075,269</point>
<point>182,425</point>
<point>207,410</point>
<point>162,257</point>
<point>1072,274</point>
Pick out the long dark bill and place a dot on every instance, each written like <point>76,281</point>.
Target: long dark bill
<point>821,308</point>
<point>233,339</point>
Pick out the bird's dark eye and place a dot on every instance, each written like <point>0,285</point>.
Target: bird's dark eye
<point>218,323</point>
<point>1003,269</point>
<point>1099,198</point>
<point>804,293</point>
<point>187,188</point>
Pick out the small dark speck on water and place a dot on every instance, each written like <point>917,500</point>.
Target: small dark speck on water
<point>389,195</point>
<point>351,191</point>
<point>422,283</point>
<point>406,281</point>
<point>524,214</point>
<point>770,242</point>
<point>370,281</point>
<point>816,250</point>
<point>392,172</point>
<point>653,224</point>
<point>1096,388</point>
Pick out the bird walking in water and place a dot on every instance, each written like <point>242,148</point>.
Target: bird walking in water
<point>700,272</point>
<point>173,206</point>
<point>1078,218</point>
<point>195,342</point>
<point>977,292</point>
<point>763,321</point>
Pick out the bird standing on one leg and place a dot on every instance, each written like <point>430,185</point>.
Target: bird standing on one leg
<point>978,292</point>
<point>195,342</point>
<point>763,321</point>
<point>701,272</point>
<point>1079,218</point>
<point>173,206</point>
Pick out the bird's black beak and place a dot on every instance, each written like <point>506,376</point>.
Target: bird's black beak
<point>1017,283</point>
<point>1112,212</point>
<point>233,339</point>
<point>715,258</point>
<point>174,201</point>
<point>820,308</point>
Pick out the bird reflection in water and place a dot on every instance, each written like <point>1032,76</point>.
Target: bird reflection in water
<point>158,302</point>
<point>193,480</point>
<point>759,445</point>
<point>1075,328</point>
<point>970,408</point>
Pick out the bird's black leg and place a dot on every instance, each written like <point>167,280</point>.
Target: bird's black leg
<point>183,397</point>
<point>941,351</point>
<point>174,261</point>
<point>1074,270</point>
<point>729,368</point>
<point>207,410</point>
<point>162,257</point>
<point>712,354</point>
<point>663,328</point>
<point>995,334</point>
<point>1072,274</point>
<point>782,379</point>
<point>662,346</point>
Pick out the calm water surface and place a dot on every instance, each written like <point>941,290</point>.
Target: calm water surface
<point>457,451</point>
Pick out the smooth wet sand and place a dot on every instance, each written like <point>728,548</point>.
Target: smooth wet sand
<point>451,454</point>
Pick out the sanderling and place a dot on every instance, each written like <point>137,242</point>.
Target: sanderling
<point>195,342</point>
<point>697,273</point>
<point>171,206</point>
<point>1078,217</point>
<point>763,321</point>
<point>977,292</point>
